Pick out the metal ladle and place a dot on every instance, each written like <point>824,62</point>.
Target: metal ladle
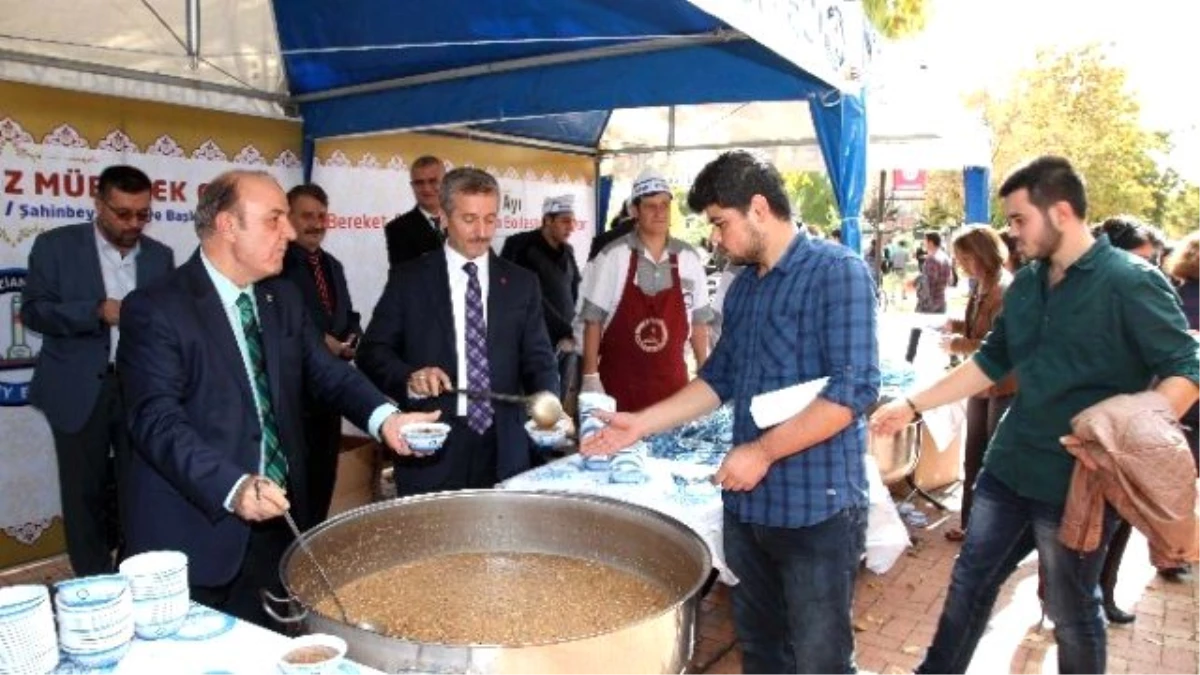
<point>544,408</point>
<point>364,625</point>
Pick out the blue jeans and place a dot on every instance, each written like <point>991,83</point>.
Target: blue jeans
<point>1005,528</point>
<point>792,605</point>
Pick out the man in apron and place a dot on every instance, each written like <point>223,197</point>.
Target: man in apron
<point>644,297</point>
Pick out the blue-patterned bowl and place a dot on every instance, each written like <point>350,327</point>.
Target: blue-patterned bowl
<point>425,438</point>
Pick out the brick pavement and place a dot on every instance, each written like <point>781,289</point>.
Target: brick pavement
<point>896,615</point>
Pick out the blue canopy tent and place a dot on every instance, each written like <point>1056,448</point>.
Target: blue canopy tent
<point>544,72</point>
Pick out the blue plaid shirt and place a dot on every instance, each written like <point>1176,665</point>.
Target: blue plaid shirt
<point>810,316</point>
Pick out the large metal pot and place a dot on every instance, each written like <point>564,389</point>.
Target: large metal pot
<point>896,454</point>
<point>625,536</point>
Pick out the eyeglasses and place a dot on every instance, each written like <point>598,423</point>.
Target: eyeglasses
<point>125,215</point>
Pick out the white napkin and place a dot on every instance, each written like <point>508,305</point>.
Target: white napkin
<point>777,406</point>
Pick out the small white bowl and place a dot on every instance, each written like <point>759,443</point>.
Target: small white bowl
<point>546,438</point>
<point>311,654</point>
<point>425,438</point>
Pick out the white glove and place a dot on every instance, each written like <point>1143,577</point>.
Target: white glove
<point>591,384</point>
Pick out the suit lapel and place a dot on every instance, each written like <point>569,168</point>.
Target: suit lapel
<point>212,313</point>
<point>497,296</point>
<point>272,332</point>
<point>91,257</point>
<point>445,307</point>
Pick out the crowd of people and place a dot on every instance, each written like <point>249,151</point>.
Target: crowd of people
<point>218,387</point>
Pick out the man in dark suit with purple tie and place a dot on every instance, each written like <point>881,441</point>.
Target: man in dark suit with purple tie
<point>462,318</point>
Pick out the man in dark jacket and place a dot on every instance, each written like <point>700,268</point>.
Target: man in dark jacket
<point>321,280</point>
<point>546,253</point>
<point>420,230</point>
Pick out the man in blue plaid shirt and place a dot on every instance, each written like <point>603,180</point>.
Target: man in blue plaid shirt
<point>795,494</point>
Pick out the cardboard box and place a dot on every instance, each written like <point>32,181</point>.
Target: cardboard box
<point>939,468</point>
<point>357,475</point>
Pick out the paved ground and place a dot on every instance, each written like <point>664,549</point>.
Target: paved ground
<point>896,615</point>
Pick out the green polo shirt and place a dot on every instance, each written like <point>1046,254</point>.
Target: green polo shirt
<point>1110,326</point>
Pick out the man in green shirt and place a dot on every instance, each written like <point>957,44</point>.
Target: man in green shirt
<point>1081,323</point>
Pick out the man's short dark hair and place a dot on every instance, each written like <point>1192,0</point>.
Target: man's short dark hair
<point>467,181</point>
<point>731,180</point>
<point>308,190</point>
<point>935,238</point>
<point>1049,179</point>
<point>426,160</point>
<point>1128,233</point>
<point>128,179</point>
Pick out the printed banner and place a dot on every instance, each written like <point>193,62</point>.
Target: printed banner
<point>53,146</point>
<point>367,180</point>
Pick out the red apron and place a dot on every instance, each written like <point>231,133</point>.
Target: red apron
<point>641,351</point>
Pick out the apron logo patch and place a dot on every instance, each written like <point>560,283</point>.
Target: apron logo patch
<point>651,335</point>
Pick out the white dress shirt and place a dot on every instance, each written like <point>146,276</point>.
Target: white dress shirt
<point>229,292</point>
<point>120,277</point>
<point>458,299</point>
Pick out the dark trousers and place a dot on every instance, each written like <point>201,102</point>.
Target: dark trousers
<point>470,460</point>
<point>983,414</point>
<point>1009,527</point>
<point>259,570</point>
<point>1112,561</point>
<point>323,433</point>
<point>792,605</point>
<point>89,462</point>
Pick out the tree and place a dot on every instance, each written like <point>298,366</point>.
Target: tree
<point>1077,105</point>
<point>811,195</point>
<point>897,19</point>
<point>1183,211</point>
<point>944,200</point>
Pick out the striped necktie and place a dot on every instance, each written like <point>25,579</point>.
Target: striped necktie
<point>318,272</point>
<point>479,377</point>
<point>275,461</point>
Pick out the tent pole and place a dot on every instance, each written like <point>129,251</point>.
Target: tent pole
<point>193,33</point>
<point>671,128</point>
<point>137,75</point>
<point>877,245</point>
<point>719,36</point>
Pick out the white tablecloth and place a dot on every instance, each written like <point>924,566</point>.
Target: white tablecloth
<point>209,642</point>
<point>677,489</point>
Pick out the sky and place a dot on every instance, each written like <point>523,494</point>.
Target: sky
<point>973,44</point>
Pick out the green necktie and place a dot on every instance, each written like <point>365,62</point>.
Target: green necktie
<point>276,463</point>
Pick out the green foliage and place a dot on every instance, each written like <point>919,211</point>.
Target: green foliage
<point>811,196</point>
<point>1077,105</point>
<point>897,19</point>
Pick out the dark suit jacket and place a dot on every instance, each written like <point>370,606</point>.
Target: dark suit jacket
<point>413,328</point>
<point>344,321</point>
<point>194,419</point>
<point>410,236</point>
<point>558,274</point>
<point>62,291</point>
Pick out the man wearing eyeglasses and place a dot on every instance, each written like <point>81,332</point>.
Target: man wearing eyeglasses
<point>78,276</point>
<point>421,230</point>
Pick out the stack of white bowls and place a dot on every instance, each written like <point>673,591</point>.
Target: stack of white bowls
<point>95,619</point>
<point>27,640</point>
<point>159,581</point>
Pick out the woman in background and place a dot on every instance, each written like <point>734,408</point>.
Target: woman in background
<point>981,254</point>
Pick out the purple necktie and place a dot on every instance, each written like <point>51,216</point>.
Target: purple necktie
<point>479,410</point>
